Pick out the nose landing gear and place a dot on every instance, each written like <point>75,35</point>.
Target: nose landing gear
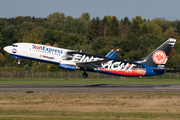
<point>85,75</point>
<point>19,61</point>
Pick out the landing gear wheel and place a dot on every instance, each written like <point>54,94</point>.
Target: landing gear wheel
<point>19,61</point>
<point>85,75</point>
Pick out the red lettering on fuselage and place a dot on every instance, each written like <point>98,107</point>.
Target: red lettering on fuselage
<point>37,47</point>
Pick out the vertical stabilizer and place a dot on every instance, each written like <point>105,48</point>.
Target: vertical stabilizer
<point>159,57</point>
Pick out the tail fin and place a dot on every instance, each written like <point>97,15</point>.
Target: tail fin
<point>159,57</point>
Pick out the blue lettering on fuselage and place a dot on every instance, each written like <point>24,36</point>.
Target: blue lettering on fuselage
<point>44,48</point>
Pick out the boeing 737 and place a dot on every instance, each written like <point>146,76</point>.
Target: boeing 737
<point>67,59</point>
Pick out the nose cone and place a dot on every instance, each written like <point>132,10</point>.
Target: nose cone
<point>7,49</point>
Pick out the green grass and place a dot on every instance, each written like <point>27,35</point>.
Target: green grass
<point>56,115</point>
<point>87,81</point>
<point>89,105</point>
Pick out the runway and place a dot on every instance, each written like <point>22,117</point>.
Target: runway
<point>99,87</point>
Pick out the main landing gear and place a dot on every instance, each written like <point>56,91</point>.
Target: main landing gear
<point>85,75</point>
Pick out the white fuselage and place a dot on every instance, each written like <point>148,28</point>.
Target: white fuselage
<point>37,52</point>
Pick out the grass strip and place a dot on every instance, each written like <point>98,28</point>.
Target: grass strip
<point>89,105</point>
<point>88,81</point>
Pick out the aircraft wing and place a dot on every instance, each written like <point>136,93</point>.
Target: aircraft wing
<point>97,64</point>
<point>92,64</point>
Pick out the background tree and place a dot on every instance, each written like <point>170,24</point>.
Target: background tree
<point>68,40</point>
<point>104,27</point>
<point>85,16</point>
<point>162,22</point>
<point>69,26</point>
<point>99,43</point>
<point>94,30</point>
<point>58,36</point>
<point>152,28</point>
<point>124,26</point>
<point>135,26</point>
<point>113,29</point>
<point>56,17</point>
<point>48,37</point>
<point>1,26</point>
<point>170,33</point>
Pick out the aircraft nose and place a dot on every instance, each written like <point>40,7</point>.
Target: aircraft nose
<point>6,48</point>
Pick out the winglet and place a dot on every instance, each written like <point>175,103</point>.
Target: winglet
<point>109,54</point>
<point>114,54</point>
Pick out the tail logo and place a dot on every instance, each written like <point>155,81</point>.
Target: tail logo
<point>159,57</point>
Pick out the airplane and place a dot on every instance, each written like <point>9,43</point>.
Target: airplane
<point>73,60</point>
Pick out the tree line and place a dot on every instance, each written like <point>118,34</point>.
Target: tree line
<point>135,38</point>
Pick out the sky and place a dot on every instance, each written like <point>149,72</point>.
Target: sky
<point>147,9</point>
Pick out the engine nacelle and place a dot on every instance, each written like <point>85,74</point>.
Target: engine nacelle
<point>68,65</point>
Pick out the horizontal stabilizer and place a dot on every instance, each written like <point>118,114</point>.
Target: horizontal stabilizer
<point>162,69</point>
<point>114,54</point>
<point>109,54</point>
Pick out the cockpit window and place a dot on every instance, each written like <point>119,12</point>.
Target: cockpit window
<point>15,45</point>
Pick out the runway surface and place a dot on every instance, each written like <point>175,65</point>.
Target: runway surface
<point>99,87</point>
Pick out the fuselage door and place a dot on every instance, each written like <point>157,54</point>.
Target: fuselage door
<point>139,70</point>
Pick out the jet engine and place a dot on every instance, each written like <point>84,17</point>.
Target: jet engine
<point>68,65</point>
